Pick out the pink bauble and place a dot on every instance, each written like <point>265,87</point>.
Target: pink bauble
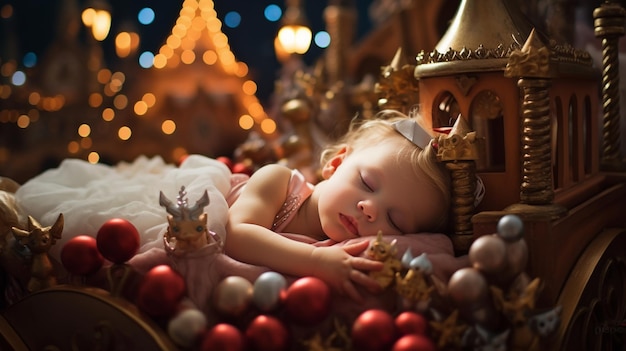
<point>118,240</point>
<point>468,288</point>
<point>233,295</point>
<point>226,160</point>
<point>516,257</point>
<point>307,301</point>
<point>160,291</point>
<point>181,159</point>
<point>267,333</point>
<point>373,330</point>
<point>488,254</point>
<point>223,337</point>
<point>414,342</point>
<point>241,167</point>
<point>409,322</point>
<point>80,255</point>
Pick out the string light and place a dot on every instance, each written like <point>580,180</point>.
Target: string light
<point>198,18</point>
<point>97,16</point>
<point>84,130</point>
<point>124,133</point>
<point>168,127</point>
<point>294,37</point>
<point>93,157</point>
<point>105,102</point>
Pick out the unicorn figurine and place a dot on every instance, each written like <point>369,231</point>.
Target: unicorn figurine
<point>187,225</point>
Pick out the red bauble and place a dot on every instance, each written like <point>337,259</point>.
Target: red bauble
<point>181,159</point>
<point>223,337</point>
<point>160,291</point>
<point>118,240</point>
<point>227,161</point>
<point>373,330</point>
<point>80,255</point>
<point>241,167</point>
<point>267,333</point>
<point>414,342</point>
<point>308,301</point>
<point>409,322</point>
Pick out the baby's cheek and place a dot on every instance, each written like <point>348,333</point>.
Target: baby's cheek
<point>332,230</point>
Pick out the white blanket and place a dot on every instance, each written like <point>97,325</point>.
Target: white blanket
<point>90,194</point>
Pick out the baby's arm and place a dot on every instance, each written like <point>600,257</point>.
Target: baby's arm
<point>249,239</point>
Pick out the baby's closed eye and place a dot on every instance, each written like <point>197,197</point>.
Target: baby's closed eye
<point>393,223</point>
<point>367,185</point>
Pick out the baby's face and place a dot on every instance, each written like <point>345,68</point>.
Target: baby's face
<point>371,191</point>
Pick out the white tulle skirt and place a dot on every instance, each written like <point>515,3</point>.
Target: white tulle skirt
<point>90,194</point>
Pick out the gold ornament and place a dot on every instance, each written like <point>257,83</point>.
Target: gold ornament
<point>338,340</point>
<point>516,305</point>
<point>39,240</point>
<point>449,331</point>
<point>385,252</point>
<point>459,144</point>
<point>413,286</point>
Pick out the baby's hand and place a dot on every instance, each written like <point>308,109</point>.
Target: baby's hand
<point>339,267</point>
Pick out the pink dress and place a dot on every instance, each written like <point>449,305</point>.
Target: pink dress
<point>298,191</point>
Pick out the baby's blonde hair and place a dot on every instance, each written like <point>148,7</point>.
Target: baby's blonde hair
<point>362,134</point>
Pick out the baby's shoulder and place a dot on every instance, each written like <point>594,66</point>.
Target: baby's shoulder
<point>272,170</point>
<point>271,175</point>
<point>274,167</point>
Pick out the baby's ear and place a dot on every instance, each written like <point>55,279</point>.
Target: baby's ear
<point>334,162</point>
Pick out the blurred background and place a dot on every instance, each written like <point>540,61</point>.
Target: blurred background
<point>110,80</point>
<point>68,91</point>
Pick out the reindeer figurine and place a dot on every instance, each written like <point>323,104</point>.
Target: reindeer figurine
<point>39,240</point>
<point>187,230</point>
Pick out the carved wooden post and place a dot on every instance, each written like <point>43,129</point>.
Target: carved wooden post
<point>531,65</point>
<point>458,152</point>
<point>536,187</point>
<point>609,26</point>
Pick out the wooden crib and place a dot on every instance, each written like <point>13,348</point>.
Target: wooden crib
<point>543,159</point>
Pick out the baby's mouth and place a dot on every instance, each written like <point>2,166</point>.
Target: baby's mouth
<point>349,223</point>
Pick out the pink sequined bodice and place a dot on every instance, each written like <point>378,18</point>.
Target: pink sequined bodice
<point>298,191</point>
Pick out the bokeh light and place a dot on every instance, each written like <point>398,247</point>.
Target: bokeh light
<point>322,39</point>
<point>30,59</point>
<point>18,78</point>
<point>145,16</point>
<point>273,12</point>
<point>232,19</point>
<point>146,59</point>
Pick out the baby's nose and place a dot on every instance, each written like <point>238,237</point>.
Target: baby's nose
<point>368,209</point>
